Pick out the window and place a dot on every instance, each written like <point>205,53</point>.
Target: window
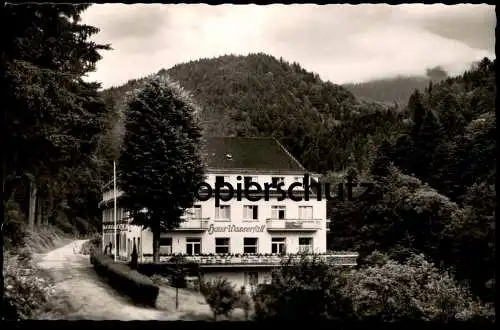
<point>118,245</point>
<point>139,247</point>
<point>250,212</point>
<point>249,245</point>
<point>305,245</point>
<point>197,211</point>
<point>193,246</point>
<point>248,179</point>
<point>305,212</point>
<point>205,180</point>
<point>251,278</point>
<point>278,212</point>
<point>220,178</point>
<point>194,212</point>
<point>222,245</point>
<point>124,242</point>
<point>223,212</point>
<point>278,245</point>
<point>277,179</point>
<point>166,245</point>
<point>134,245</point>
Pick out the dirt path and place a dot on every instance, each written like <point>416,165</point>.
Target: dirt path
<point>89,296</point>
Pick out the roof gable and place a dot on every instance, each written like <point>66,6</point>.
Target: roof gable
<point>249,153</point>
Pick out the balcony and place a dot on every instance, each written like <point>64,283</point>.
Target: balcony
<point>194,224</point>
<point>122,224</point>
<point>109,195</point>
<point>294,225</point>
<point>261,260</point>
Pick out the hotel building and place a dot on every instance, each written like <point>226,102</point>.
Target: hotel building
<point>244,239</point>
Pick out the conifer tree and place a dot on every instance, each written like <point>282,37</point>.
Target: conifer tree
<point>429,135</point>
<point>52,117</point>
<point>417,111</point>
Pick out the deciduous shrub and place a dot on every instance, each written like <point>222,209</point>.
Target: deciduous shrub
<point>297,291</point>
<point>139,287</point>
<point>93,245</point>
<point>220,295</point>
<point>28,294</point>
<point>381,290</point>
<point>244,302</point>
<point>415,290</point>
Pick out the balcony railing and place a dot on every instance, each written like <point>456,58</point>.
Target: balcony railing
<point>294,224</point>
<point>190,224</point>
<point>340,259</point>
<point>194,224</point>
<point>109,195</point>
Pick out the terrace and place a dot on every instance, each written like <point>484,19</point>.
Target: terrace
<point>194,224</point>
<point>259,260</point>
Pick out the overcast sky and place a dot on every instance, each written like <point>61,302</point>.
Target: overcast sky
<point>342,43</point>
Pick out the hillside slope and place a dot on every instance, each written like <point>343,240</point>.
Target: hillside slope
<point>396,89</point>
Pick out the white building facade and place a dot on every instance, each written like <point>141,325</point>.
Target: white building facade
<point>242,238</point>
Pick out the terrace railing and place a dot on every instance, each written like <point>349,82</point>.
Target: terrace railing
<point>341,259</point>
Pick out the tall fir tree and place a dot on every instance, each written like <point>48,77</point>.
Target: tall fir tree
<point>53,119</point>
<point>416,110</point>
<point>428,136</point>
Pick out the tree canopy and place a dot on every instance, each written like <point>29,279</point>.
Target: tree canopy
<point>160,165</point>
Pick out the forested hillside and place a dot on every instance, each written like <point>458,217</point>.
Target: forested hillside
<point>439,199</point>
<point>321,123</point>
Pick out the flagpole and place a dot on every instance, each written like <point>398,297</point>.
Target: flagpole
<point>114,209</point>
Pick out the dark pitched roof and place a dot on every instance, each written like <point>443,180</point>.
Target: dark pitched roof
<point>249,153</point>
